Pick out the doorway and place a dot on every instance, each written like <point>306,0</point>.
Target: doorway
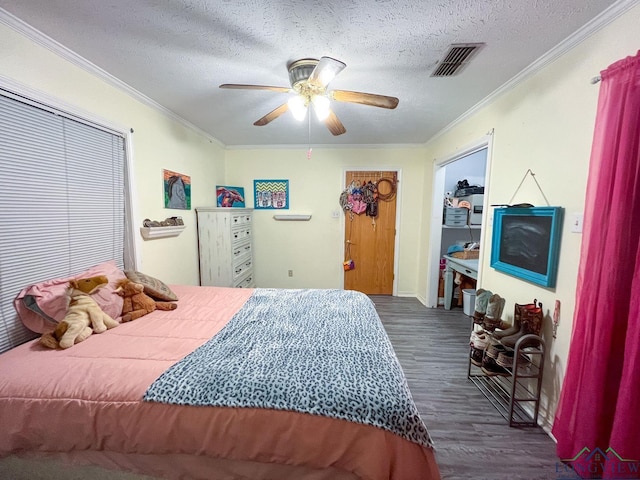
<point>370,241</point>
<point>441,236</point>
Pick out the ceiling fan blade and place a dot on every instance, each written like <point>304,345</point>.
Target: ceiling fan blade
<point>272,115</point>
<point>255,87</point>
<point>334,124</point>
<point>365,98</point>
<point>325,71</point>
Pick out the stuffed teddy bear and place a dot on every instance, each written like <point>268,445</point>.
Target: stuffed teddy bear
<point>84,316</point>
<point>136,302</point>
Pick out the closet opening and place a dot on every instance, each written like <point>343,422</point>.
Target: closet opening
<point>464,172</point>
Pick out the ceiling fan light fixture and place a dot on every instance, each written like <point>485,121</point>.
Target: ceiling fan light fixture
<point>300,70</point>
<point>298,107</point>
<point>321,106</point>
<point>309,79</point>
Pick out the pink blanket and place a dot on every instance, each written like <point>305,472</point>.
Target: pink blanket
<point>89,399</point>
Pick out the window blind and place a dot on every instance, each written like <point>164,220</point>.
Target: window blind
<point>62,210</point>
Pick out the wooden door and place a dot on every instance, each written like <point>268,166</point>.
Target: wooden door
<point>370,241</point>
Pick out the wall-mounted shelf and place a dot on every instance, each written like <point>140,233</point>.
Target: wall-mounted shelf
<point>149,233</point>
<point>460,227</point>
<point>290,217</point>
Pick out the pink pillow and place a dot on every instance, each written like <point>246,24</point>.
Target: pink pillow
<point>41,305</point>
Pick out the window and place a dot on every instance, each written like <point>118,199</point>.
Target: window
<point>62,201</point>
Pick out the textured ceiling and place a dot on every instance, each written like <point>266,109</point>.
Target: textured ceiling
<point>178,52</point>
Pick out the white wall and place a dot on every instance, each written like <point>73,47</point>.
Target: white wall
<point>314,249</point>
<point>545,124</point>
<point>158,142</point>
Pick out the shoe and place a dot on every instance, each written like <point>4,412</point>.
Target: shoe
<point>530,323</point>
<point>474,335</point>
<point>505,359</point>
<point>476,356</point>
<point>492,318</point>
<point>491,368</point>
<point>532,319</point>
<point>482,299</point>
<point>495,349</point>
<point>512,330</point>
<point>478,342</point>
<point>517,315</point>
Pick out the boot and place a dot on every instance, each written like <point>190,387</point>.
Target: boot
<point>482,299</point>
<point>494,310</point>
<point>530,323</point>
<point>517,315</point>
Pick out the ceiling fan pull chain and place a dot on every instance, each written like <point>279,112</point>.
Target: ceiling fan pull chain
<point>310,149</point>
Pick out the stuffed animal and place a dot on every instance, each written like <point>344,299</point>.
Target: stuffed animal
<point>84,316</point>
<point>137,303</point>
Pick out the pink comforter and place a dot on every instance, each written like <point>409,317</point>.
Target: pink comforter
<point>88,399</point>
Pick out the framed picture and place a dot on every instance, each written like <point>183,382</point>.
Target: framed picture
<point>177,190</point>
<point>230,196</point>
<point>271,194</point>
<point>526,242</point>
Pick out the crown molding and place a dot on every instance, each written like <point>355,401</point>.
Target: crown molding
<point>607,16</point>
<point>50,44</point>
<point>354,146</point>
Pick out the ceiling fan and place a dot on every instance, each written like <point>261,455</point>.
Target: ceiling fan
<point>309,79</point>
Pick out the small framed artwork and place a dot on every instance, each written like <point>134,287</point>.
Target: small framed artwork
<point>177,190</point>
<point>271,194</point>
<point>230,196</point>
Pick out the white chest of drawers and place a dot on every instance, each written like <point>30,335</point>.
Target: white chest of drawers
<point>225,246</point>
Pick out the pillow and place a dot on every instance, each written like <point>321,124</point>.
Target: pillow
<point>41,305</point>
<point>152,286</point>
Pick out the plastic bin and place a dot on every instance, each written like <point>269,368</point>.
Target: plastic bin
<point>468,301</point>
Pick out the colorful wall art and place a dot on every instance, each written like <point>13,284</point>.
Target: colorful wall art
<point>271,194</point>
<point>177,190</point>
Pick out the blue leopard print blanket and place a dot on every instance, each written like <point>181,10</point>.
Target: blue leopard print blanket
<point>323,352</point>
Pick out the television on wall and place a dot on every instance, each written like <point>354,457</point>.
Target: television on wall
<point>526,242</point>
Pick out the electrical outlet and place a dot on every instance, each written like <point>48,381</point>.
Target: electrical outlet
<point>291,273</point>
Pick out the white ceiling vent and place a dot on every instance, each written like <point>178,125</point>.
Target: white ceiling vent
<point>456,58</point>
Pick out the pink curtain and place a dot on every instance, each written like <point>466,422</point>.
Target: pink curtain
<point>600,401</point>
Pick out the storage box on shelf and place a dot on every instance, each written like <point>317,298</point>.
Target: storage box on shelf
<point>516,395</point>
<point>455,217</point>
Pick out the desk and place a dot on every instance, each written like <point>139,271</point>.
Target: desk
<point>466,267</point>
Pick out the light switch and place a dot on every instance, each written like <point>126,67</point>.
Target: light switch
<point>576,222</point>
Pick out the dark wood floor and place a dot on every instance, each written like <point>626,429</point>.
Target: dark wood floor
<point>472,440</point>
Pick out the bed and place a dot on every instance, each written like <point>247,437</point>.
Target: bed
<point>234,383</point>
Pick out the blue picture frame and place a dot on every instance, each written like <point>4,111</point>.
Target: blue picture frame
<point>525,243</point>
<point>271,194</point>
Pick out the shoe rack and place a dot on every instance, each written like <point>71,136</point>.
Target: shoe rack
<point>515,392</point>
